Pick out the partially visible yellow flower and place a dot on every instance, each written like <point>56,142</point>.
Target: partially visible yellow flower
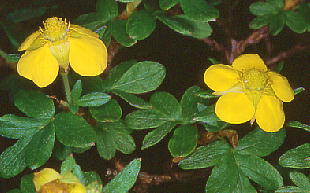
<point>50,181</point>
<point>290,4</point>
<point>59,43</point>
<point>249,92</point>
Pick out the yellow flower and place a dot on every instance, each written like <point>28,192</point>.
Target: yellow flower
<point>50,181</point>
<point>249,91</point>
<point>59,43</point>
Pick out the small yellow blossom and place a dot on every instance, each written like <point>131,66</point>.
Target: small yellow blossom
<point>50,181</point>
<point>59,43</point>
<point>249,92</point>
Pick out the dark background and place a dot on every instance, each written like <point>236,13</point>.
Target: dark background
<point>185,59</point>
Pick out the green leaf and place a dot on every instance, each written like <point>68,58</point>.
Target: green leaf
<point>73,131</point>
<point>119,33</point>
<point>105,144</point>
<point>207,94</point>
<point>298,90</point>
<point>206,156</point>
<point>259,21</point>
<point>14,127</point>
<point>210,120</point>
<point>279,67</point>
<point>105,33</point>
<point>34,104</point>
<point>126,1</point>
<point>11,58</point>
<point>27,13</point>
<point>279,4</point>
<point>167,104</point>
<point>141,77</point>
<point>13,83</point>
<point>26,184</point>
<point>263,8</point>
<point>261,143</point>
<point>116,73</point>
<point>90,21</point>
<point>297,124</point>
<point>106,9</point>
<point>260,171</point>
<point>76,90</point>
<point>298,157</point>
<point>183,141</point>
<point>189,103</point>
<point>228,178</point>
<point>61,151</point>
<point>142,119</point>
<point>122,140</point>
<point>300,180</point>
<point>111,111</point>
<point>40,148</point>
<point>74,96</point>
<point>13,158</point>
<point>123,182</point>
<point>93,182</point>
<point>199,10</point>
<point>167,4</point>
<point>112,136</point>
<point>133,100</point>
<point>93,99</point>
<point>187,26</point>
<point>295,21</point>
<point>178,23</point>
<point>276,23</point>
<point>140,25</point>
<point>70,165</point>
<point>153,137</point>
<point>291,189</point>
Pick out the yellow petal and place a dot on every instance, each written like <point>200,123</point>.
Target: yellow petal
<point>88,56</point>
<point>281,87</point>
<point>249,61</point>
<point>38,65</point>
<point>77,31</point>
<point>220,77</point>
<point>45,176</point>
<point>33,41</point>
<point>234,108</point>
<point>269,114</point>
<point>76,188</point>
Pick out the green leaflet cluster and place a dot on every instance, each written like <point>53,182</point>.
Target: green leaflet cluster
<point>141,23</point>
<point>165,113</point>
<point>43,131</point>
<point>234,168</point>
<point>272,13</point>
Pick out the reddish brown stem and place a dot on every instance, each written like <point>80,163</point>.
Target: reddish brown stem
<point>286,54</point>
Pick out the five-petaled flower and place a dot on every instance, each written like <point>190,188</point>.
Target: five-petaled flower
<point>50,181</point>
<point>59,43</point>
<point>249,92</point>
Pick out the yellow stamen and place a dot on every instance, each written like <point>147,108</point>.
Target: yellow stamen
<point>55,29</point>
<point>254,80</point>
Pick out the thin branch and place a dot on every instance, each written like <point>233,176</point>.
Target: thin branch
<point>145,180</point>
<point>238,47</point>
<point>213,44</point>
<point>286,54</point>
<point>113,50</point>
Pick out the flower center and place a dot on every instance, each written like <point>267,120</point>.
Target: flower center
<point>55,29</point>
<point>254,80</point>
